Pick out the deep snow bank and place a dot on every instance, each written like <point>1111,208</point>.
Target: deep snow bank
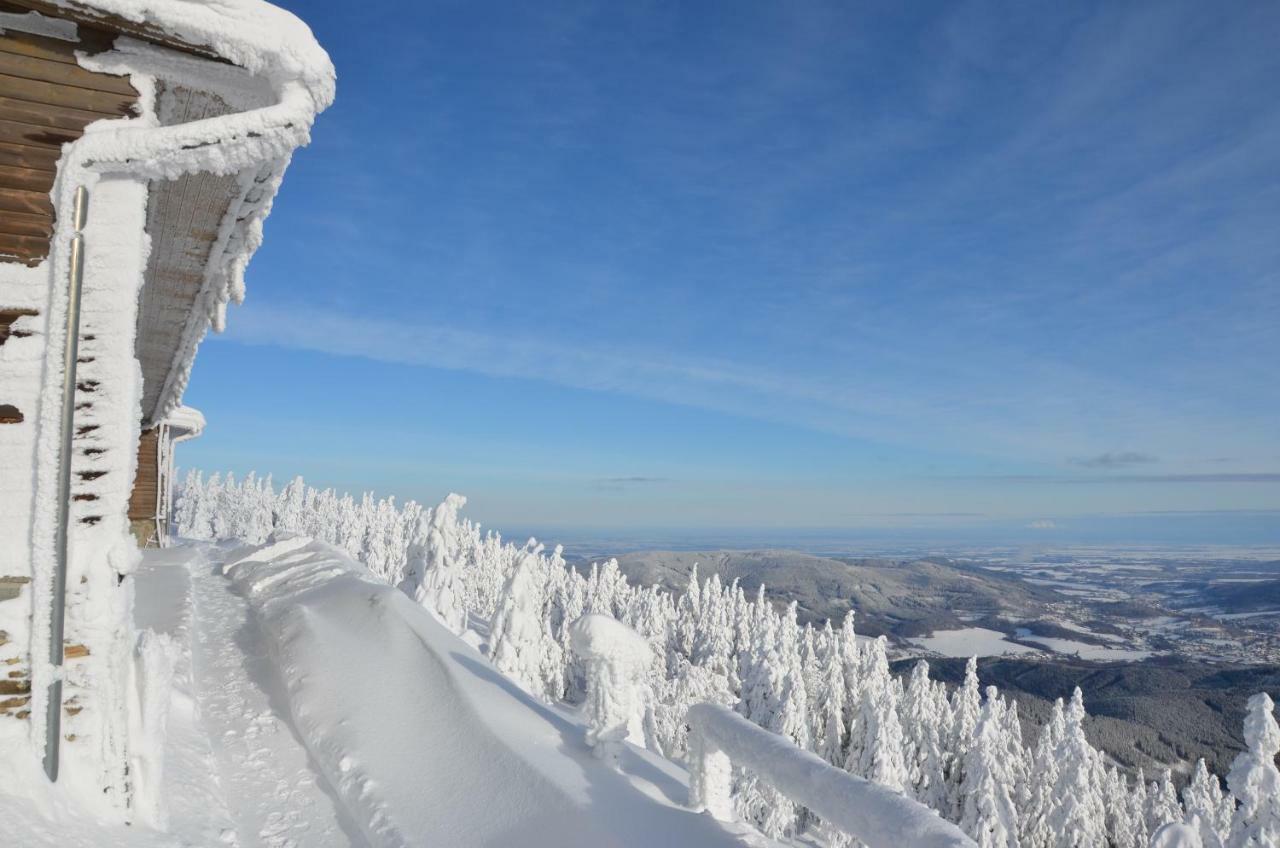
<point>424,742</point>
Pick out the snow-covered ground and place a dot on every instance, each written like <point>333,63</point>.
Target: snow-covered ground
<point>314,706</point>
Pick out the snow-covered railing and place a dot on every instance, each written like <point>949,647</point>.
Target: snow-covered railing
<point>874,814</point>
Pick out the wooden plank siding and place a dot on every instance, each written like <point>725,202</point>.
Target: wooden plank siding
<point>144,499</point>
<point>46,101</point>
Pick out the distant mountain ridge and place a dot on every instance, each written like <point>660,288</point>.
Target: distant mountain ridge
<point>899,598</point>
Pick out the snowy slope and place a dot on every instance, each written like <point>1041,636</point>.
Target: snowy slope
<point>424,742</point>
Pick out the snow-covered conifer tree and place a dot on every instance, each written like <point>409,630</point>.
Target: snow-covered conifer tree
<point>617,660</point>
<point>880,744</point>
<point>851,656</point>
<point>1162,803</point>
<point>989,814</point>
<point>1037,832</point>
<point>688,612</point>
<point>1126,827</point>
<point>192,512</point>
<point>691,684</point>
<point>925,728</point>
<point>1017,756</point>
<point>1255,781</point>
<point>1078,818</point>
<point>764,690</point>
<point>291,507</point>
<point>433,564</point>
<point>966,708</point>
<point>1203,799</point>
<point>827,706</point>
<point>516,632</point>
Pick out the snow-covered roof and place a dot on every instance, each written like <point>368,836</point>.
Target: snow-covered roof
<point>257,36</point>
<point>223,158</point>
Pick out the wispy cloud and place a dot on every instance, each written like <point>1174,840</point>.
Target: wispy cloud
<point>1092,480</point>
<point>618,484</point>
<point>1042,524</point>
<point>1017,420</point>
<point>1113,460</point>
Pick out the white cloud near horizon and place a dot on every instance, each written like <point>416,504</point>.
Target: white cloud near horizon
<point>1026,424</point>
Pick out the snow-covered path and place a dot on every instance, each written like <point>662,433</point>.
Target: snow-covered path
<point>265,773</point>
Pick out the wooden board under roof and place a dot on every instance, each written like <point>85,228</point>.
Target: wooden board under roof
<point>46,101</point>
<point>184,217</point>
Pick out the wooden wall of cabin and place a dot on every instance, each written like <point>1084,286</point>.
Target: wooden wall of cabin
<point>46,100</point>
<point>144,499</point>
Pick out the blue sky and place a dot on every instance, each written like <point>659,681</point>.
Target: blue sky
<point>846,265</point>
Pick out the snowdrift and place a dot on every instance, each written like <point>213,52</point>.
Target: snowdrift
<point>423,741</point>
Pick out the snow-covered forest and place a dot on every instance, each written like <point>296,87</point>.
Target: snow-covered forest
<point>962,752</point>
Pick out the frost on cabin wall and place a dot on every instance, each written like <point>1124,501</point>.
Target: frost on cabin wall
<point>23,290</point>
<point>98,631</point>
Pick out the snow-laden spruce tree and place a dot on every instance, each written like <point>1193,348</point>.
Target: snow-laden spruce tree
<point>516,632</point>
<point>879,744</point>
<point>689,685</point>
<point>256,503</point>
<point>765,688</point>
<point>1017,757</point>
<point>1078,817</point>
<point>1255,781</point>
<point>925,723</point>
<point>435,557</point>
<point>617,660</point>
<point>966,707</point>
<point>1125,819</point>
<point>188,506</point>
<point>688,613</point>
<point>221,517</point>
<point>1036,828</point>
<point>989,813</point>
<point>793,721</point>
<point>291,507</point>
<point>827,704</point>
<point>1206,803</point>
<point>1162,802</point>
<point>851,655</point>
<point>713,640</point>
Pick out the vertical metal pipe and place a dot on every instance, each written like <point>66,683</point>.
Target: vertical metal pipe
<point>71,352</point>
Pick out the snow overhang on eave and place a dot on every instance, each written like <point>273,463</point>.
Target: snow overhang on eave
<point>185,422</point>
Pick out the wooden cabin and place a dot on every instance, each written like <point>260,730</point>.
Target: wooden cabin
<point>141,146</point>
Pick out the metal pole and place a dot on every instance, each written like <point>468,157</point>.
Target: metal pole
<point>71,352</point>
